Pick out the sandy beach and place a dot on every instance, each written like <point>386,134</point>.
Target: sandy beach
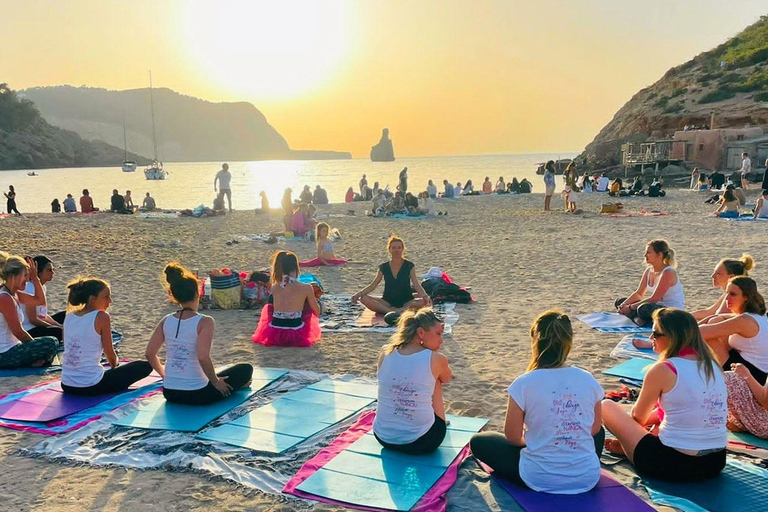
<point>517,260</point>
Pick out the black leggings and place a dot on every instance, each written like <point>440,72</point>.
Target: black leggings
<point>24,354</point>
<point>48,330</point>
<point>644,312</point>
<point>59,317</point>
<point>734,356</point>
<point>493,449</point>
<point>652,458</point>
<point>423,445</point>
<point>237,377</point>
<point>12,207</point>
<point>114,380</point>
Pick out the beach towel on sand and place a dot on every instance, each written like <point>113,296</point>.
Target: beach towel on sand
<point>625,349</point>
<point>611,322</point>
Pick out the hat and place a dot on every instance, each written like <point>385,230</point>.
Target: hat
<point>433,272</point>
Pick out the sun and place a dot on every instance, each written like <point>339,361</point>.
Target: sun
<point>268,49</point>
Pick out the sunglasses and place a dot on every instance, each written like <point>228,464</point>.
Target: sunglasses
<point>657,334</point>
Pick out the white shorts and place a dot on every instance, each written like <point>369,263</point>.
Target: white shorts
<point>550,190</point>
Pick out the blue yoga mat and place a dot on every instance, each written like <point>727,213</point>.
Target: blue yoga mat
<point>748,439</point>
<point>366,474</point>
<point>633,369</point>
<point>740,487</point>
<point>157,414</point>
<point>404,216</point>
<point>23,372</point>
<point>611,322</point>
<point>288,421</point>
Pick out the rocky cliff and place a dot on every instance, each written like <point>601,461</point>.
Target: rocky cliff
<point>730,81</point>
<point>188,129</point>
<point>27,141</point>
<point>384,151</point>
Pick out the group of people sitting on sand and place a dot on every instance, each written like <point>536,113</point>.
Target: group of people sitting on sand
<point>117,203</point>
<point>732,202</point>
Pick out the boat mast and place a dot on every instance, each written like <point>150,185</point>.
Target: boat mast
<point>152,107</point>
<point>125,141</point>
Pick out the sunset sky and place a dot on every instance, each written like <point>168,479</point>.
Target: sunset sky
<point>447,77</point>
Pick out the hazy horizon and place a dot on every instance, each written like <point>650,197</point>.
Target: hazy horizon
<point>448,78</point>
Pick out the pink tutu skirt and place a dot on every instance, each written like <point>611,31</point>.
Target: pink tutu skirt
<point>304,336</point>
<point>317,263</point>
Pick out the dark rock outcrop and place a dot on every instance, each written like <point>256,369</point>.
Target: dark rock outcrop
<point>383,151</point>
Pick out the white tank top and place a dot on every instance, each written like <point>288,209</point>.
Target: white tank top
<point>754,349</point>
<point>404,412</point>
<point>182,369</point>
<point>674,297</point>
<point>7,339</point>
<point>42,311</point>
<point>763,212</point>
<point>695,411</point>
<point>81,366</point>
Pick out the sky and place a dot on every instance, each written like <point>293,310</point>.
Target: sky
<point>447,77</point>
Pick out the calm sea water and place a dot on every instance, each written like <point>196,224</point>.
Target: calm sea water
<point>190,184</point>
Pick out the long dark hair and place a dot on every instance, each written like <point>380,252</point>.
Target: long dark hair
<point>284,263</point>
<point>683,332</point>
<point>81,289</point>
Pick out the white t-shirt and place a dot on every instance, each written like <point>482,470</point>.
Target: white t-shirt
<point>432,190</point>
<point>746,166</point>
<point>457,191</point>
<point>42,311</point>
<point>81,367</point>
<point>224,178</point>
<point>559,407</point>
<point>602,183</point>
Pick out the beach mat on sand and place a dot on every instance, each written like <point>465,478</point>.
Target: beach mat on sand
<point>51,403</point>
<point>23,372</point>
<point>626,350</point>
<point>745,438</point>
<point>608,496</point>
<point>356,471</point>
<point>292,419</point>
<point>340,315</point>
<point>158,414</point>
<point>633,369</point>
<point>611,322</point>
<point>741,487</point>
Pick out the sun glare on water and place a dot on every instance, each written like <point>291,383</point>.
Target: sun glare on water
<point>268,49</point>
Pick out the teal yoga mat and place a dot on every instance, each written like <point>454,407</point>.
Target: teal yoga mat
<point>634,369</point>
<point>288,421</point>
<point>157,414</point>
<point>748,439</point>
<point>740,487</point>
<point>368,475</point>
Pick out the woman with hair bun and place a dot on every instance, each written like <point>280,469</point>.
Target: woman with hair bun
<point>290,316</point>
<point>553,433</point>
<point>725,270</point>
<point>18,348</point>
<point>740,337</point>
<point>410,413</point>
<point>659,287</point>
<point>88,334</point>
<point>189,375</point>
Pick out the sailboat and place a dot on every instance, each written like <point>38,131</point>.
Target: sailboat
<point>154,171</point>
<point>128,165</point>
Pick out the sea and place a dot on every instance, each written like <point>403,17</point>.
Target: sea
<point>191,183</point>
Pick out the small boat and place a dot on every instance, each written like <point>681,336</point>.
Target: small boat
<point>155,171</point>
<point>129,166</point>
<point>33,173</point>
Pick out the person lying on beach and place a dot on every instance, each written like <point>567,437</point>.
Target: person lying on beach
<point>550,398</point>
<point>189,375</point>
<point>729,205</point>
<point>325,254</point>
<point>659,287</point>
<point>742,335</point>
<point>35,319</point>
<point>761,207</point>
<point>411,361</point>
<point>19,349</point>
<point>290,317</point>
<point>399,275</point>
<point>688,444</point>
<point>88,335</point>
<point>725,270</point>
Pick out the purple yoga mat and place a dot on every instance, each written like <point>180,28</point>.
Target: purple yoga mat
<point>608,496</point>
<point>51,403</point>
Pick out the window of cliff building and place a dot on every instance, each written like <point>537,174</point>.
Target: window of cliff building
<point>701,147</point>
<point>740,137</point>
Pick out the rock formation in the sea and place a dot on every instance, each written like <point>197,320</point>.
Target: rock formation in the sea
<point>383,151</point>
<point>188,129</point>
<point>27,141</point>
<point>730,81</point>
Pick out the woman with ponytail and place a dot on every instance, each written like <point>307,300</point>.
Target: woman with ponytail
<point>290,316</point>
<point>725,270</point>
<point>189,375</point>
<point>88,334</point>
<point>410,414</point>
<point>686,384</point>
<point>659,287</point>
<point>553,433</point>
<point>18,348</point>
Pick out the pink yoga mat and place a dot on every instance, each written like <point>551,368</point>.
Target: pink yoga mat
<point>433,501</point>
<point>51,403</point>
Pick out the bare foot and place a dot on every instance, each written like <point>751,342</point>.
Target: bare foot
<point>639,322</point>
<point>614,446</point>
<point>642,343</point>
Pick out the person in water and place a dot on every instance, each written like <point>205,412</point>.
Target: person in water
<point>88,335</point>
<point>290,317</point>
<point>325,255</point>
<point>399,275</point>
<point>189,375</point>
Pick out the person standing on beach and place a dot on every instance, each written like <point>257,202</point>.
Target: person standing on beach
<point>549,183</point>
<point>403,186</point>
<point>224,177</point>
<point>363,185</point>
<point>11,197</point>
<point>746,168</point>
<point>765,176</point>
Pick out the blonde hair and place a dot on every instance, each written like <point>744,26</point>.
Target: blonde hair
<point>81,289</point>
<point>321,225</point>
<point>394,238</point>
<point>739,267</point>
<point>11,266</point>
<point>682,330</point>
<point>408,326</point>
<point>662,247</point>
<point>551,340</point>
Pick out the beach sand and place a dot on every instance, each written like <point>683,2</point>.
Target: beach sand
<point>517,260</point>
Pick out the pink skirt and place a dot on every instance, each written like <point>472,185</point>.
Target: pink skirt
<point>304,336</point>
<point>317,263</point>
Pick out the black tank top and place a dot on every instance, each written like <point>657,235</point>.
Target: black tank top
<point>397,289</point>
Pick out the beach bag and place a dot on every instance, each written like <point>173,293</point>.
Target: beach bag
<point>449,292</point>
<point>257,289</point>
<point>226,291</point>
<point>611,208</point>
